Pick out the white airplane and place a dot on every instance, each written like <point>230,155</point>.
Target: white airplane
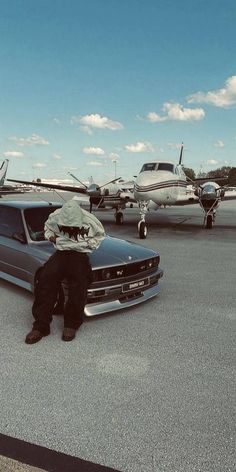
<point>162,183</point>
<point>159,183</point>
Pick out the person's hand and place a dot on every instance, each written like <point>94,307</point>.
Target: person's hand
<point>53,238</point>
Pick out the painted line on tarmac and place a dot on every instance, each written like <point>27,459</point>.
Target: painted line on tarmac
<point>47,459</point>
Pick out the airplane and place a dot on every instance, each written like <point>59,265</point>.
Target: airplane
<point>3,171</point>
<point>107,195</point>
<point>159,183</point>
<point>162,183</point>
<point>6,189</point>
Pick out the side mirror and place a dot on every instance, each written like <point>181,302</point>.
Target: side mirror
<point>19,237</point>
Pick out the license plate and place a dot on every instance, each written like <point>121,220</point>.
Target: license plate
<point>135,285</point>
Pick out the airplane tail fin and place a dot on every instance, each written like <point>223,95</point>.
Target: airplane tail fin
<point>181,154</point>
<point>3,171</point>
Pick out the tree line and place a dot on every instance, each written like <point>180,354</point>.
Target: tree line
<point>226,171</point>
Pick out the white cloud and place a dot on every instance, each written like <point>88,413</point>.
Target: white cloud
<point>224,97</point>
<point>56,121</point>
<point>39,165</point>
<point>139,147</point>
<point>176,112</point>
<point>94,163</point>
<point>212,162</point>
<point>34,140</point>
<point>219,144</point>
<point>57,157</point>
<point>155,118</point>
<point>13,154</point>
<point>174,145</point>
<point>86,130</point>
<point>94,150</point>
<point>96,121</point>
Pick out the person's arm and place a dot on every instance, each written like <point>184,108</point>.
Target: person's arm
<point>51,228</point>
<point>98,234</point>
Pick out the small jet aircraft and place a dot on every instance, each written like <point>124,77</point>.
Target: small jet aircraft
<point>159,183</point>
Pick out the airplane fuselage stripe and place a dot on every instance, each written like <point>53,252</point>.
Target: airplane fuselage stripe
<point>162,185</point>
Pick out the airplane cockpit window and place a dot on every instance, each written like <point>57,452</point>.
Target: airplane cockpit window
<point>166,166</point>
<point>149,166</point>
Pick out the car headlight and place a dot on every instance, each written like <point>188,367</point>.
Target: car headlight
<point>150,263</point>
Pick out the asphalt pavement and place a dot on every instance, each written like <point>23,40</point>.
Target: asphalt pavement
<point>148,389</point>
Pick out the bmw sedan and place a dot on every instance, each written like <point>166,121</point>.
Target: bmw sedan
<point>124,273</point>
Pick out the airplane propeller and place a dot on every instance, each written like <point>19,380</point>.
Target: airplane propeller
<point>181,154</point>
<point>94,191</point>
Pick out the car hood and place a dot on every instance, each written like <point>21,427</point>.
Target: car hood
<point>111,252</point>
<point>114,251</point>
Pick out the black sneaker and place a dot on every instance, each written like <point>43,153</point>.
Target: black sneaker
<point>34,336</point>
<point>68,334</point>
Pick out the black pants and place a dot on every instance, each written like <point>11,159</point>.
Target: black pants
<point>73,266</point>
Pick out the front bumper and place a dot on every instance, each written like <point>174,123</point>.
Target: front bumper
<point>116,297</point>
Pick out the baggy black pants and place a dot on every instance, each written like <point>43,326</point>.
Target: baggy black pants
<point>73,266</point>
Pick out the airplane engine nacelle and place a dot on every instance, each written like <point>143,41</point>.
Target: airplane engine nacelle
<point>209,194</point>
<point>94,191</point>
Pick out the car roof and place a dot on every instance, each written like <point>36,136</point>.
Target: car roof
<point>24,204</point>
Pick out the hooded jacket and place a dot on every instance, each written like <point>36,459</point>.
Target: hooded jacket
<point>75,228</point>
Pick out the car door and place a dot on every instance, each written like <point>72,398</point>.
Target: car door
<point>13,243</point>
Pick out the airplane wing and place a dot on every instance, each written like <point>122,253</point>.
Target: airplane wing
<point>66,188</point>
<point>10,192</point>
<point>229,195</point>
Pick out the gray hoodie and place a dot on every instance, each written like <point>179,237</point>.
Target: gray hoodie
<point>75,228</point>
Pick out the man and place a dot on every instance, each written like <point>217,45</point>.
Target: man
<point>75,232</point>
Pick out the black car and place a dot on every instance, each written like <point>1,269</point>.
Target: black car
<point>124,273</point>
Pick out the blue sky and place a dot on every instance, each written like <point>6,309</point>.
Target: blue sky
<point>104,85</point>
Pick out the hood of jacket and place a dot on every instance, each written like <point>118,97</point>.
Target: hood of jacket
<point>74,228</point>
<point>71,214</point>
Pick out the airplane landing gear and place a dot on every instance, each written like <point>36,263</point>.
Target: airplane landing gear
<point>209,207</point>
<point>142,227</point>
<point>209,218</point>
<point>119,218</point>
<point>209,221</point>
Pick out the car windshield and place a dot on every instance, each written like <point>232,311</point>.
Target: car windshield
<point>35,219</point>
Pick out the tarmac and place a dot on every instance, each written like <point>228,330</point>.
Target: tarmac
<point>148,389</point>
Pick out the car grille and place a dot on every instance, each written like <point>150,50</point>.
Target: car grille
<point>127,270</point>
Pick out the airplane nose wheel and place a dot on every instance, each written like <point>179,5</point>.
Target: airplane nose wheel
<point>142,229</point>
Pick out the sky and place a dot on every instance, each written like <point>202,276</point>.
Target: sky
<point>97,88</point>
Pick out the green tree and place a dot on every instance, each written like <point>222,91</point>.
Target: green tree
<point>221,172</point>
<point>232,176</point>
<point>189,173</point>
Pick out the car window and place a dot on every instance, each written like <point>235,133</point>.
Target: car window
<point>11,222</point>
<point>35,219</point>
